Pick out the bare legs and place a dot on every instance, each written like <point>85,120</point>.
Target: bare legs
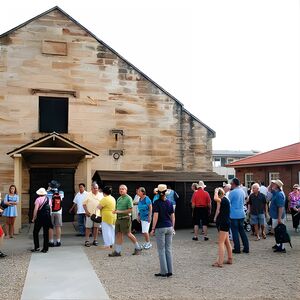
<point>223,243</point>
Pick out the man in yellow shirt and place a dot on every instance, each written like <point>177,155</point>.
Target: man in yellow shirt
<point>90,207</point>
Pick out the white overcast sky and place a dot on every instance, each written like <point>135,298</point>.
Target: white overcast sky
<point>234,64</point>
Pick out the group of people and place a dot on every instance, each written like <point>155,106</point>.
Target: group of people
<point>116,217</point>
<point>230,213</point>
<point>115,220</point>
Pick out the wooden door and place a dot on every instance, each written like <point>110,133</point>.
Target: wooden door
<point>40,177</point>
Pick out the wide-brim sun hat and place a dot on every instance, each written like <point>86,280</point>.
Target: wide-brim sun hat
<point>296,186</point>
<point>278,182</point>
<point>41,192</point>
<point>162,188</point>
<point>201,184</point>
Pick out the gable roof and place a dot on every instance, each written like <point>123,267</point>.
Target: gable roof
<point>212,132</point>
<point>284,155</point>
<point>52,137</point>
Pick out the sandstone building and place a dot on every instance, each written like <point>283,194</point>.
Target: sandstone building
<point>73,109</point>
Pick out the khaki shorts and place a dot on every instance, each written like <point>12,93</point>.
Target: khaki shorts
<point>56,219</point>
<point>123,225</point>
<point>89,223</point>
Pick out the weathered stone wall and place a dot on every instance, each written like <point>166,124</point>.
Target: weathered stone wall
<point>110,94</point>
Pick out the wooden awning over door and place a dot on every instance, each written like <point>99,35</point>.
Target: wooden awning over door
<point>52,150</point>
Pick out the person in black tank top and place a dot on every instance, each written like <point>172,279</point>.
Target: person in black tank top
<point>222,219</point>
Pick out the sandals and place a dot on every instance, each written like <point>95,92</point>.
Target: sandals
<point>87,244</point>
<point>229,261</point>
<point>264,236</point>
<point>257,238</point>
<point>216,264</point>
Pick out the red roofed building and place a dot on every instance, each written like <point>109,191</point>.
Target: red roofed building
<point>282,163</point>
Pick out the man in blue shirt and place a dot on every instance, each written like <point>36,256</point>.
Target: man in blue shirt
<point>276,211</point>
<point>237,216</point>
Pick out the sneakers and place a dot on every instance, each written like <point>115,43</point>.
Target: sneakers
<point>147,246</point>
<point>58,244</point>
<point>195,238</point>
<point>51,244</point>
<point>137,251</point>
<point>114,254</point>
<point>206,238</point>
<point>279,249</point>
<point>95,243</point>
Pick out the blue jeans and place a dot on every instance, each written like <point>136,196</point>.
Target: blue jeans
<point>164,238</point>
<point>80,221</point>
<point>237,227</point>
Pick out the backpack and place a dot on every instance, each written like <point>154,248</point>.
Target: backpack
<point>44,209</point>
<point>56,202</point>
<point>281,235</point>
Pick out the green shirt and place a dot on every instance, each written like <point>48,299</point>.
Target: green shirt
<point>124,203</point>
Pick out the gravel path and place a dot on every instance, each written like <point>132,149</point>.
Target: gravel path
<point>261,274</point>
<point>13,268</point>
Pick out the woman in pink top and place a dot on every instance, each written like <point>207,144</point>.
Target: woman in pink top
<point>294,205</point>
<point>41,218</point>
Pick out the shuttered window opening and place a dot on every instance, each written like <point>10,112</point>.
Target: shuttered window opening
<point>53,114</point>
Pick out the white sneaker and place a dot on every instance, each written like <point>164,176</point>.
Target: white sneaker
<point>147,246</point>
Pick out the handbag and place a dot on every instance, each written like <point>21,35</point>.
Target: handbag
<point>3,205</point>
<point>96,217</point>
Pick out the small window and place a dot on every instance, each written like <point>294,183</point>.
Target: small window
<point>274,176</point>
<point>248,179</point>
<point>230,160</point>
<point>217,162</point>
<point>53,114</point>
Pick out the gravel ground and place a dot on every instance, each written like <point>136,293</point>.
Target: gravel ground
<point>261,274</point>
<point>14,267</point>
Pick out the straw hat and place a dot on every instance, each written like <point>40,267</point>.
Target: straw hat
<point>278,182</point>
<point>201,184</point>
<point>41,192</point>
<point>162,188</point>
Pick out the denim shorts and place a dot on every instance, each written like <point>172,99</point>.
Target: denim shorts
<point>258,219</point>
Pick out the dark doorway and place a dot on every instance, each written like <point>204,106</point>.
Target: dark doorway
<point>40,177</point>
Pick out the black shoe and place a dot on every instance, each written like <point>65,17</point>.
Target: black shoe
<point>274,247</point>
<point>58,244</point>
<point>195,238</point>
<point>35,250</point>
<point>50,244</point>
<point>236,251</point>
<point>2,255</point>
<point>245,251</point>
<point>44,251</point>
<point>169,274</point>
<point>114,254</point>
<point>160,275</point>
<point>206,238</point>
<point>137,251</point>
<point>279,249</point>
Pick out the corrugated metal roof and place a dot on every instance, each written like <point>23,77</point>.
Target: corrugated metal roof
<point>287,154</point>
